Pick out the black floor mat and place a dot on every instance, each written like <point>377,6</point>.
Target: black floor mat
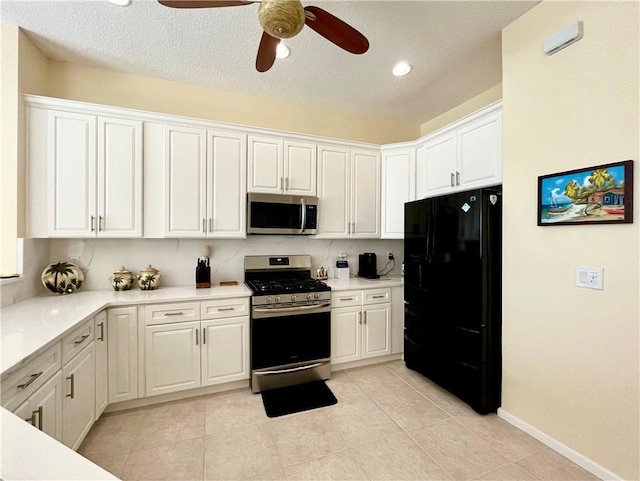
<point>293,399</point>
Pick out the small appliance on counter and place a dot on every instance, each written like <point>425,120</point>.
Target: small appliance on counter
<point>342,267</point>
<point>203,270</point>
<point>368,266</point>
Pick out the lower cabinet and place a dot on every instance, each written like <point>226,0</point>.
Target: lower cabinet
<point>193,353</point>
<point>360,325</point>
<point>78,404</point>
<point>122,345</point>
<point>43,409</point>
<point>102,363</point>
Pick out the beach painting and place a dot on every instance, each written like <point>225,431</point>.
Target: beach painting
<point>595,195</point>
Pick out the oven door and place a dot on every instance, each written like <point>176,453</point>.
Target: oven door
<point>290,345</point>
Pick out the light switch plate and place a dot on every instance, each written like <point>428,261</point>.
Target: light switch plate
<point>589,277</point>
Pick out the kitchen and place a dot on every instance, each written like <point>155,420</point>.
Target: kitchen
<point>544,387</point>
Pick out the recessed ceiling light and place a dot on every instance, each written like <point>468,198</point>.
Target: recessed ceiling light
<point>120,3</point>
<point>401,68</point>
<point>282,51</point>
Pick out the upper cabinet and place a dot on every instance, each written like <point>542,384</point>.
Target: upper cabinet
<point>349,192</point>
<point>398,187</point>
<point>279,165</point>
<point>85,175</point>
<point>205,178</point>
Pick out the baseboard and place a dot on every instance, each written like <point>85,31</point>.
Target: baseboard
<point>569,453</point>
<point>365,362</point>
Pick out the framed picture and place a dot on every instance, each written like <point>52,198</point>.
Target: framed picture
<point>595,195</point>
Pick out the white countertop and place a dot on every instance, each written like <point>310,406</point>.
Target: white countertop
<point>362,283</point>
<point>30,326</point>
<point>30,454</point>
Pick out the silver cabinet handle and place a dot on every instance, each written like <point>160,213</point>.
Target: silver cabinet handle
<point>39,413</point>
<point>303,219</point>
<point>210,224</point>
<point>204,225</point>
<point>452,180</point>
<point>346,298</point>
<point>365,317</point>
<point>286,183</point>
<point>93,220</point>
<point>32,419</point>
<point>349,227</point>
<point>73,387</point>
<point>226,308</point>
<point>457,178</point>
<point>32,378</point>
<point>101,326</point>
<point>174,313</point>
<point>281,183</point>
<point>293,369</point>
<point>360,317</point>
<point>100,227</point>
<point>378,297</point>
<point>354,228</point>
<point>81,340</point>
<point>204,335</point>
<point>197,336</point>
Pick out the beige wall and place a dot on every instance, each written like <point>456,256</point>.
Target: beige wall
<point>571,355</point>
<point>476,103</point>
<point>96,85</point>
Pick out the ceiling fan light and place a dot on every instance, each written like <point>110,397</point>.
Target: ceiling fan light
<point>281,18</point>
<point>120,3</point>
<point>401,69</point>
<point>282,51</point>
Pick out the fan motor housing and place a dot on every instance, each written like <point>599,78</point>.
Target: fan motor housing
<point>281,18</point>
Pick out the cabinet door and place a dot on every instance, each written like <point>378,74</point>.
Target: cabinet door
<point>376,330</point>
<point>440,164</point>
<point>43,409</point>
<point>365,196</point>
<point>480,152</point>
<point>265,165</point>
<point>227,180</point>
<point>334,187</point>
<point>172,357</point>
<point>225,350</point>
<point>71,169</point>
<point>79,402</point>
<point>119,178</point>
<point>421,172</point>
<point>346,333</point>
<point>300,168</point>
<point>102,363</point>
<point>398,187</point>
<point>185,182</point>
<point>122,345</point>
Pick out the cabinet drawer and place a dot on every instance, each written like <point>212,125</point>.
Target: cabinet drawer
<point>75,342</point>
<point>346,298</point>
<point>22,383</point>
<point>220,308</point>
<point>376,296</point>
<point>167,313</point>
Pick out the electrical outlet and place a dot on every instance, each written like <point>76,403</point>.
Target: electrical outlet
<point>390,256</point>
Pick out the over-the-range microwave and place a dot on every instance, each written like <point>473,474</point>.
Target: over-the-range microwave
<point>282,214</point>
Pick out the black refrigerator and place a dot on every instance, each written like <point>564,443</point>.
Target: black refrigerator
<point>453,293</point>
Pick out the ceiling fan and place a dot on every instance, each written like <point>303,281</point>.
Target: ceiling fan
<point>284,19</point>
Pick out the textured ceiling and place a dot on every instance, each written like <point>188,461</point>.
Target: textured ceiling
<point>454,47</point>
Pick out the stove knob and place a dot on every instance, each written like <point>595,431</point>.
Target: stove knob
<point>309,297</point>
<point>268,299</point>
<point>277,299</point>
<point>293,298</point>
<point>316,296</point>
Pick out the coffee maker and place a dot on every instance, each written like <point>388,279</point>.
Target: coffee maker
<point>368,265</point>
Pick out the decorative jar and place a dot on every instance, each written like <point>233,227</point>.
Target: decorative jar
<point>62,277</point>
<point>149,278</point>
<point>122,280</point>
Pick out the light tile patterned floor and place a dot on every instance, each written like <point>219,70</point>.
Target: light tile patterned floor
<point>390,423</point>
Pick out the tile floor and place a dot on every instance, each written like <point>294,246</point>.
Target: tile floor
<point>390,423</point>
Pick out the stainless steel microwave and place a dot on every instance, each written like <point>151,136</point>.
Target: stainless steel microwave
<point>282,214</point>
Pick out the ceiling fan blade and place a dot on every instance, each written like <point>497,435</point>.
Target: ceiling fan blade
<point>335,30</point>
<point>266,52</point>
<point>203,3</point>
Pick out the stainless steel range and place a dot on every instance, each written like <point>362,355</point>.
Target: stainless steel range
<point>290,322</point>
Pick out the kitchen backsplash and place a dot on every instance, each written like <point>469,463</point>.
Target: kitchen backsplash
<point>176,259</point>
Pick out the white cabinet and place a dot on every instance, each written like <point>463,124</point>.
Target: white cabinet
<point>43,409</point>
<point>122,344</point>
<point>102,362</point>
<point>465,155</point>
<point>78,405</point>
<point>398,187</point>
<point>205,178</point>
<point>93,169</point>
<point>184,352</point>
<point>279,165</point>
<point>360,324</point>
<point>349,192</point>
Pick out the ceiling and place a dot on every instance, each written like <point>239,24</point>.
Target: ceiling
<point>454,48</point>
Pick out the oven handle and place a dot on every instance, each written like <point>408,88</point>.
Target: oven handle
<point>293,369</point>
<point>303,221</point>
<point>291,309</point>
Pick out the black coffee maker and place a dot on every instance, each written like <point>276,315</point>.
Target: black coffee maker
<point>368,265</point>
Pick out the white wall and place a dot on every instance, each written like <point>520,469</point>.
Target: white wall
<point>571,355</point>
<point>33,258</point>
<point>176,258</point>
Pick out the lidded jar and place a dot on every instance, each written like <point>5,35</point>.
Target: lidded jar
<point>122,280</point>
<point>149,278</point>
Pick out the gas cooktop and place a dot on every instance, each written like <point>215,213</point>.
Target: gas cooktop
<point>286,286</point>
